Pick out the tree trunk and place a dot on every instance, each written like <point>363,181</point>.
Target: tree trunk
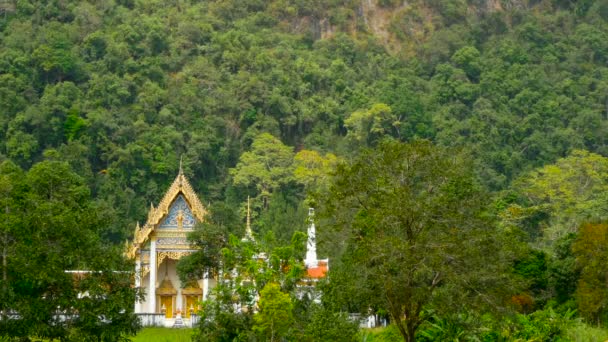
<point>411,331</point>
<point>403,327</point>
<point>4,254</point>
<point>4,267</point>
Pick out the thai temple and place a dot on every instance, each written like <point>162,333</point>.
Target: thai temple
<point>158,245</point>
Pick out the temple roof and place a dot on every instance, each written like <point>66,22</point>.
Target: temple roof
<point>318,271</point>
<point>155,216</point>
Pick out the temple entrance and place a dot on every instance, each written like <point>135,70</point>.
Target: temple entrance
<point>166,305</point>
<point>191,305</point>
<point>192,296</point>
<point>165,293</point>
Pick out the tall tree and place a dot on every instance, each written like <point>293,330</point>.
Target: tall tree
<point>267,166</point>
<point>312,169</point>
<point>591,251</point>
<point>10,182</point>
<point>560,196</point>
<point>275,316</point>
<point>418,234</point>
<point>64,283</point>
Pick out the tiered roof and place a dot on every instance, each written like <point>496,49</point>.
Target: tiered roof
<point>180,185</point>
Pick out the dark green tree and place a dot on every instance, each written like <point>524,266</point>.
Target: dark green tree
<point>63,282</point>
<point>418,233</point>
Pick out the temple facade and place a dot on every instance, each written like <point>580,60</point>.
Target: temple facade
<point>158,245</point>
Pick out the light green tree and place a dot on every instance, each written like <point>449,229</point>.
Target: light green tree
<point>267,166</point>
<point>275,317</point>
<point>244,269</point>
<point>312,169</point>
<point>591,251</point>
<point>366,127</point>
<point>571,191</point>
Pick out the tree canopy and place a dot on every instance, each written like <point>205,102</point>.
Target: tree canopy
<point>417,234</point>
<point>58,278</point>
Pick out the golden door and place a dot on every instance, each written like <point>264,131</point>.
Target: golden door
<point>167,302</point>
<point>191,302</point>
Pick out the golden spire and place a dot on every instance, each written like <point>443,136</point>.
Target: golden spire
<point>181,170</point>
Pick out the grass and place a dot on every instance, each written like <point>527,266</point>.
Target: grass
<point>578,332</point>
<point>163,335</point>
<point>387,334</point>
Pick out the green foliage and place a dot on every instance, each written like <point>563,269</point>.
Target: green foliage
<point>365,128</point>
<point>267,166</point>
<point>580,331</point>
<point>569,192</point>
<point>312,169</point>
<point>563,271</point>
<point>452,328</point>
<point>417,234</point>
<point>328,325</point>
<point>542,325</point>
<point>533,268</point>
<point>140,84</point>
<point>591,254</point>
<point>388,334</point>
<point>50,227</point>
<point>163,335</point>
<point>220,321</point>
<point>275,316</point>
<point>245,91</point>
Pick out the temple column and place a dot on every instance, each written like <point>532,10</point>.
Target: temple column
<point>152,285</point>
<point>137,281</point>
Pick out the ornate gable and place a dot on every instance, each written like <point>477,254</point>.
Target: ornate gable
<point>179,208</point>
<point>180,216</point>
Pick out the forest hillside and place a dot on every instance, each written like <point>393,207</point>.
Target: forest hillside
<point>122,89</point>
<point>502,106</point>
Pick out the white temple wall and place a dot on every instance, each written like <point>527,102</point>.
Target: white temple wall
<point>145,287</point>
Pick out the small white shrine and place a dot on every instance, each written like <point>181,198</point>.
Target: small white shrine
<point>315,268</point>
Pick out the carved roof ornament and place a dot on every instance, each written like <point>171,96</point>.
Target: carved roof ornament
<point>180,185</point>
<point>170,255</point>
<point>192,288</point>
<point>166,287</point>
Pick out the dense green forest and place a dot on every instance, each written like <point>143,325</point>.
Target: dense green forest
<point>268,98</point>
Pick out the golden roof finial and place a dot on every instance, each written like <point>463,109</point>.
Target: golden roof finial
<point>181,170</point>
